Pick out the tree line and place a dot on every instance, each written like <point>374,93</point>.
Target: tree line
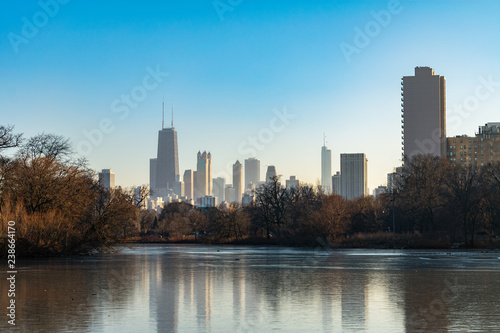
<point>58,204</point>
<point>61,208</point>
<point>435,203</point>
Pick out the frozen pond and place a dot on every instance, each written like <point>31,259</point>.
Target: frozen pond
<point>198,288</point>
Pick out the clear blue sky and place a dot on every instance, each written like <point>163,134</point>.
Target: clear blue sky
<point>229,67</point>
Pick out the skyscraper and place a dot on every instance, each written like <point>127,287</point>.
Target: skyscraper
<point>219,185</point>
<point>252,172</point>
<point>292,182</point>
<point>326,169</point>
<point>152,174</point>
<point>423,107</point>
<point>336,184</point>
<point>204,174</point>
<point>353,175</point>
<point>270,173</point>
<point>188,184</point>
<point>229,193</point>
<point>167,160</point>
<point>107,179</point>
<point>238,180</point>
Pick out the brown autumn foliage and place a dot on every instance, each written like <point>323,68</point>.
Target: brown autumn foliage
<point>60,208</point>
<point>57,205</point>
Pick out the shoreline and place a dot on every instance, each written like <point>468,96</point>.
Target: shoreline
<point>377,241</point>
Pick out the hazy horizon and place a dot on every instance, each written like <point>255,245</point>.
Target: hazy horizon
<point>233,70</point>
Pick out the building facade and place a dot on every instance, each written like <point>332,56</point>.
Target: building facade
<point>219,185</point>
<point>379,190</point>
<point>353,175</point>
<point>423,113</point>
<point>336,184</point>
<point>229,193</point>
<point>189,184</point>
<point>164,169</point>
<point>152,173</point>
<point>238,181</point>
<point>167,160</point>
<point>208,201</point>
<point>270,173</point>
<point>478,150</point>
<point>326,169</point>
<point>292,182</point>
<point>203,175</point>
<point>252,172</point>
<point>107,179</point>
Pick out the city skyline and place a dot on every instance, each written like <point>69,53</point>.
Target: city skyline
<point>249,75</point>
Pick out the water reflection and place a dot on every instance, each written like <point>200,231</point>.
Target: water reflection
<point>246,289</point>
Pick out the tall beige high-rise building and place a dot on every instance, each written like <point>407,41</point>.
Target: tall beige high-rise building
<point>252,172</point>
<point>203,175</point>
<point>189,184</point>
<point>423,113</point>
<point>353,175</point>
<point>238,181</point>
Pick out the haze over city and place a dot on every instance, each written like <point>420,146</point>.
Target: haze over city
<point>334,67</point>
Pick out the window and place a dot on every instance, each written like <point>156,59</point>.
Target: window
<point>461,141</point>
<point>453,141</point>
<point>470,147</point>
<point>482,139</point>
<point>470,140</point>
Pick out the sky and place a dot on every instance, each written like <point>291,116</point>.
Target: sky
<point>245,78</point>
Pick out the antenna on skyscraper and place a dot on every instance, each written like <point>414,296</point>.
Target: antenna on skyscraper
<point>162,114</point>
<point>172,116</point>
<point>324,139</point>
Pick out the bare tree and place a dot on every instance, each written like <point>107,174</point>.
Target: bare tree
<point>7,138</point>
<point>333,219</point>
<point>491,181</point>
<point>47,145</point>
<point>271,204</point>
<point>465,198</point>
<point>230,222</point>
<point>421,188</point>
